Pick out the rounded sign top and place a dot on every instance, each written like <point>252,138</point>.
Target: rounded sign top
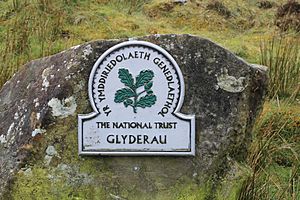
<point>136,77</point>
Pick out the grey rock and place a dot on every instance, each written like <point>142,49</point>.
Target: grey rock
<point>223,91</point>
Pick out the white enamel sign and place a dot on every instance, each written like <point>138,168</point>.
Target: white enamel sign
<point>136,90</point>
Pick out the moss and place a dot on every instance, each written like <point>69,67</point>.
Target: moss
<point>230,186</point>
<point>44,183</point>
<point>191,192</point>
<point>39,184</point>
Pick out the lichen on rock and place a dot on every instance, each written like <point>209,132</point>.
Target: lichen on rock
<point>37,131</point>
<point>2,139</point>
<point>230,83</point>
<point>62,108</point>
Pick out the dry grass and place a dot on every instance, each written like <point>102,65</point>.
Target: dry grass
<point>30,34</point>
<point>282,55</point>
<point>31,29</point>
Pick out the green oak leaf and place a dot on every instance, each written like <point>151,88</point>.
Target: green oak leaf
<point>123,94</point>
<point>128,102</point>
<point>148,86</point>
<point>149,92</point>
<point>144,77</point>
<point>126,77</point>
<point>129,95</point>
<point>146,101</point>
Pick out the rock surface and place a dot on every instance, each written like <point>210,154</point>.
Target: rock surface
<point>38,126</point>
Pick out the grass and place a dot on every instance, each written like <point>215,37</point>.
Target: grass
<point>35,28</point>
<point>31,29</point>
<point>275,154</point>
<point>282,55</point>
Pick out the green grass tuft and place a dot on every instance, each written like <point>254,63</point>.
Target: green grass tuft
<point>274,155</point>
<point>282,55</point>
